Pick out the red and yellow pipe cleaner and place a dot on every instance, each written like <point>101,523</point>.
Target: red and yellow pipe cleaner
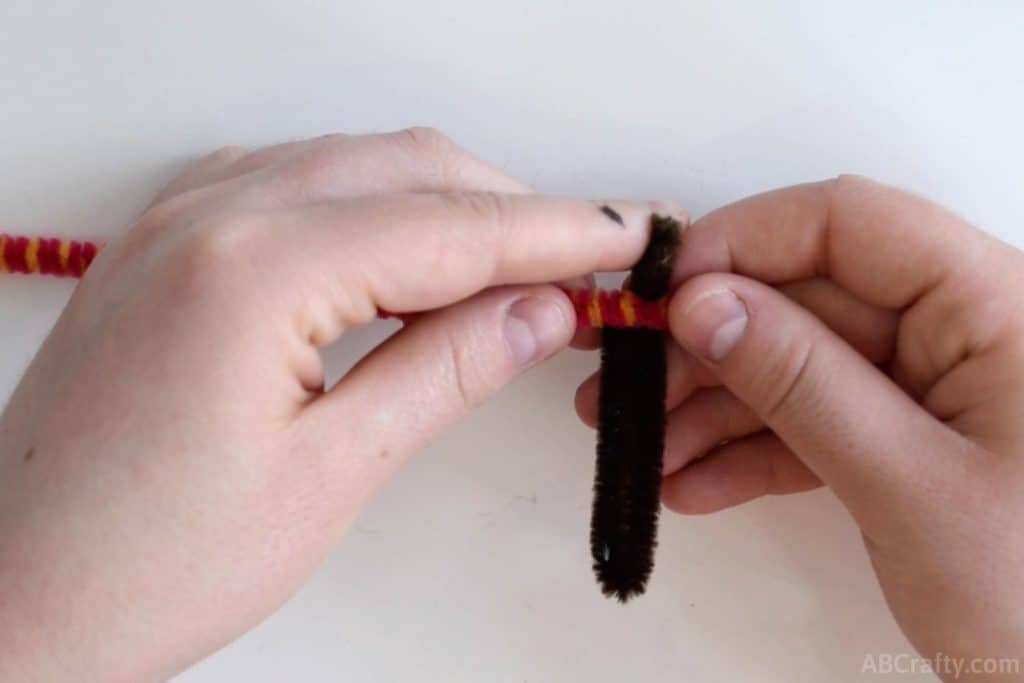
<point>71,258</point>
<point>45,255</point>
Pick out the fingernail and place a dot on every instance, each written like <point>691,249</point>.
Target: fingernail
<point>715,321</point>
<point>534,328</point>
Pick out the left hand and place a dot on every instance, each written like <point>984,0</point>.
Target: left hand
<point>171,466</point>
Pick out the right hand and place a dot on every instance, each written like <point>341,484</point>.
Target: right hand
<point>851,334</point>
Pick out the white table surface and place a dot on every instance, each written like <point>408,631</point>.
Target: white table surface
<point>473,564</point>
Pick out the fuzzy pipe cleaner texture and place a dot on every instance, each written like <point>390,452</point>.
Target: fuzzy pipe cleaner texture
<point>45,255</point>
<point>631,431</point>
<point>71,258</point>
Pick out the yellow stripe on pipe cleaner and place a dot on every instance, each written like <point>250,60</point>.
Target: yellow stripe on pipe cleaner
<point>594,309</point>
<point>64,252</point>
<point>626,305</point>
<point>32,255</point>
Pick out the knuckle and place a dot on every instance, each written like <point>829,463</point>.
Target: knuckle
<point>492,216</point>
<point>785,382</point>
<point>162,213</point>
<point>493,209</point>
<point>225,155</point>
<point>323,154</point>
<point>436,153</point>
<point>849,185</point>
<point>465,376</point>
<point>843,179</point>
<point>221,244</point>
<point>334,140</point>
<point>848,179</point>
<point>325,150</point>
<point>426,140</point>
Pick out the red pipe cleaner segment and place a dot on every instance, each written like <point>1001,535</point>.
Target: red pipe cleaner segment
<point>14,254</point>
<point>75,260</point>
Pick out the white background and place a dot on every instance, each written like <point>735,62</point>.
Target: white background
<point>473,564</point>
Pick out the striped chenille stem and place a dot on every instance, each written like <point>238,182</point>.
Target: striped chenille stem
<point>616,308</point>
<point>71,258</point>
<point>45,255</point>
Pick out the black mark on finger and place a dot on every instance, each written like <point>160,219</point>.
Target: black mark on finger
<point>30,453</point>
<point>613,214</point>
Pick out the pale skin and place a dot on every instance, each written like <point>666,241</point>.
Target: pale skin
<point>172,469</point>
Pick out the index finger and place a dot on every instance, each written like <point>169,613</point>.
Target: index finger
<point>885,246</point>
<point>415,252</point>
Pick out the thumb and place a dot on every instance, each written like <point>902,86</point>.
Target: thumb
<point>427,376</point>
<point>843,418</point>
